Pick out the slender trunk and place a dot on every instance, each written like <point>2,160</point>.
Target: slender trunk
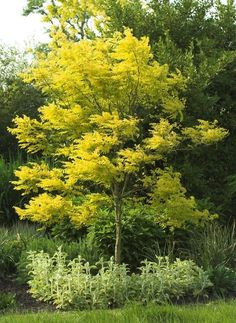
<point>118,228</point>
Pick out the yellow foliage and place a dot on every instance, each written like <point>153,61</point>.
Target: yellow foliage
<point>92,167</point>
<point>107,75</point>
<point>30,134</point>
<point>163,137</point>
<point>205,133</point>
<point>46,208</point>
<point>111,123</point>
<point>172,206</point>
<point>72,18</point>
<point>89,209</point>
<point>129,160</point>
<point>35,176</point>
<point>110,120</point>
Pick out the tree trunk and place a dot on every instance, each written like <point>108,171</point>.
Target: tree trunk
<point>118,229</point>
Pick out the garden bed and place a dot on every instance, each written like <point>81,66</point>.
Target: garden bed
<point>24,301</point>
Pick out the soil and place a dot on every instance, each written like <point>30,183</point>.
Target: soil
<point>24,301</point>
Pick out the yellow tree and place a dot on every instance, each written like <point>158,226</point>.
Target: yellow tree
<point>114,117</point>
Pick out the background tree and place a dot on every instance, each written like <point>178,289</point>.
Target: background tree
<point>198,38</point>
<point>108,131</point>
<point>16,96</point>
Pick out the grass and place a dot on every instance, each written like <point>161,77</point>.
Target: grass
<point>222,312</point>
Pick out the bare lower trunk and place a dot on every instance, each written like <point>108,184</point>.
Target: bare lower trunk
<point>118,229</point>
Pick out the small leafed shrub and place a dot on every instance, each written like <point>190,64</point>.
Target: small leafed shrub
<point>85,248</point>
<point>139,232</point>
<point>72,284</point>
<point>66,231</point>
<point>11,246</point>
<point>8,196</point>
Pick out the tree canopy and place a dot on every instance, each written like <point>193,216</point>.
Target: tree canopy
<point>115,115</point>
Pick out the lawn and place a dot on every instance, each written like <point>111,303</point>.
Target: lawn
<point>222,312</point>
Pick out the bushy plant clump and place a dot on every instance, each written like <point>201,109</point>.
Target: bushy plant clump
<point>73,285</point>
<point>214,249</point>
<point>12,243</point>
<point>86,248</point>
<point>139,232</point>
<point>16,241</point>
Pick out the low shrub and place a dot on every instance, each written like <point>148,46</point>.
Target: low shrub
<point>213,246</point>
<point>7,301</point>
<point>86,248</point>
<point>139,231</point>
<point>223,281</point>
<point>72,284</point>
<point>163,280</point>
<point>66,231</point>
<point>12,242</point>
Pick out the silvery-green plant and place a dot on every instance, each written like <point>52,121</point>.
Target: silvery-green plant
<point>162,280</point>
<point>73,284</point>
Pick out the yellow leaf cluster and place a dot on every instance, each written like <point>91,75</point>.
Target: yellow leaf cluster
<point>30,134</point>
<point>163,137</point>
<point>73,19</point>
<point>111,123</point>
<point>205,133</point>
<point>35,176</point>
<point>173,207</point>
<point>129,160</point>
<point>91,167</point>
<point>46,208</point>
<point>113,74</point>
<point>90,208</point>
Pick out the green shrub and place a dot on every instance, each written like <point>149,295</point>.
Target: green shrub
<point>8,196</point>
<point>72,284</point>
<point>7,301</point>
<point>139,231</point>
<point>163,280</point>
<point>12,242</point>
<point>223,281</point>
<point>10,251</point>
<point>213,246</point>
<point>66,231</point>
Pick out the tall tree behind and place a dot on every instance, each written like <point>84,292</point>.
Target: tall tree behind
<point>16,97</point>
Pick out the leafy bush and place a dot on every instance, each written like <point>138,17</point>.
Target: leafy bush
<point>66,231</point>
<point>72,284</point>
<point>162,280</point>
<point>85,248</point>
<point>7,300</point>
<point>139,232</point>
<point>10,251</point>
